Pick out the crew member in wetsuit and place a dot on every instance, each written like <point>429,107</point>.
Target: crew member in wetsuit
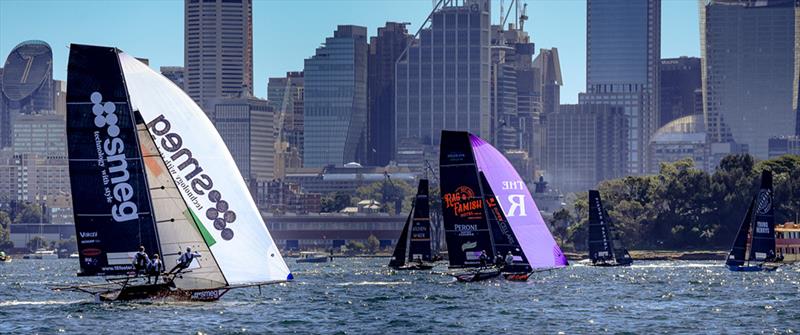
<point>185,260</point>
<point>484,258</point>
<point>140,261</point>
<point>154,268</point>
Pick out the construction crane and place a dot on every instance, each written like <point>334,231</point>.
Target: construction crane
<point>281,145</point>
<point>398,199</point>
<point>523,17</point>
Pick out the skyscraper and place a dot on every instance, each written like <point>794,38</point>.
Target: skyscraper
<point>384,50</point>
<point>335,101</point>
<point>585,144</point>
<point>177,74</point>
<point>680,78</point>
<point>748,71</point>
<point>550,71</point>
<point>27,84</point>
<point>443,79</point>
<point>247,127</point>
<point>218,51</point>
<point>286,96</point>
<point>623,51</point>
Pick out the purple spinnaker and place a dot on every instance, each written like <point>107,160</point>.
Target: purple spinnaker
<point>527,223</point>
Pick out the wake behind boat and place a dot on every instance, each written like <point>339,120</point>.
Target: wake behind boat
<point>489,214</point>
<point>753,249</point>
<point>148,170</point>
<point>602,237</point>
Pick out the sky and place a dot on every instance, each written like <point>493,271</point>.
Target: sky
<point>285,32</point>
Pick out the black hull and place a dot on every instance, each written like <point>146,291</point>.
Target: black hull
<point>413,267</point>
<point>609,265</point>
<point>475,276</point>
<point>161,291</point>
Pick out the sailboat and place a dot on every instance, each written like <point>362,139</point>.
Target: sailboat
<point>413,250</point>
<point>601,236</point>
<point>148,168</point>
<point>754,246</point>
<point>488,210</point>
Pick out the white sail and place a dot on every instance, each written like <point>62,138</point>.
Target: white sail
<point>207,177</point>
<point>177,228</point>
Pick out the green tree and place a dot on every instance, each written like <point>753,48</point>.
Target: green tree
<point>29,213</point>
<point>36,242</point>
<point>5,231</point>
<point>336,202</point>
<point>389,194</point>
<point>69,245</point>
<point>354,246</point>
<point>373,244</point>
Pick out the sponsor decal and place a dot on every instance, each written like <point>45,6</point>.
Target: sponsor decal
<point>205,295</point>
<point>501,223</point>
<point>764,202</point>
<point>469,245</point>
<point>189,177</point>
<point>111,149</point>
<point>91,252</point>
<point>762,227</point>
<point>464,204</point>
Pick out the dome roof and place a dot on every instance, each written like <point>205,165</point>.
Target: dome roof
<point>690,128</point>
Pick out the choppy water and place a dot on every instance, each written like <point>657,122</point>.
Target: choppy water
<point>361,296</point>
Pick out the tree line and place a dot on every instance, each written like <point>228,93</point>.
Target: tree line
<point>683,207</point>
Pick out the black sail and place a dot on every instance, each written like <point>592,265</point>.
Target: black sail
<point>763,243</point>
<point>601,247</point>
<point>502,235</point>
<point>399,254</point>
<point>739,248</point>
<point>465,225</point>
<point>420,234</point>
<point>110,197</point>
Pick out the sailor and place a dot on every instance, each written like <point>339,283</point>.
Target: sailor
<point>509,259</point>
<point>185,260</point>
<point>154,268</point>
<point>498,260</point>
<point>418,259</point>
<point>484,258</point>
<point>140,261</point>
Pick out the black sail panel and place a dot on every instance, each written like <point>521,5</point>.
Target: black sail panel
<point>502,235</point>
<point>399,254</point>
<point>763,244</point>
<point>466,230</point>
<point>737,253</point>
<point>600,242</point>
<point>110,197</point>
<point>420,235</point>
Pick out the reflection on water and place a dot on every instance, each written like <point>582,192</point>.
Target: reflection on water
<point>363,296</point>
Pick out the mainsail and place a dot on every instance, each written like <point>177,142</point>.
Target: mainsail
<point>465,226</point>
<point>419,245</point>
<point>399,254</point>
<point>763,232</point>
<point>600,242</point>
<point>111,202</point>
<point>207,178</point>
<point>736,257</point>
<point>515,199</point>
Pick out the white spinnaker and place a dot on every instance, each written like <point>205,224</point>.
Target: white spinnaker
<point>177,229</point>
<point>249,255</point>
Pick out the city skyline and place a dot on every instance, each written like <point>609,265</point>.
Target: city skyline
<point>161,40</point>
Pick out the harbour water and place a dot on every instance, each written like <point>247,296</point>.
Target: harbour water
<point>362,296</point>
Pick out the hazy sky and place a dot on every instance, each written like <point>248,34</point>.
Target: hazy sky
<point>286,32</point>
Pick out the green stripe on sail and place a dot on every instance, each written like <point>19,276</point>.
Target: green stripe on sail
<point>200,227</point>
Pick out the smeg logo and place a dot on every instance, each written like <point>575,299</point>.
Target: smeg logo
<point>221,214</point>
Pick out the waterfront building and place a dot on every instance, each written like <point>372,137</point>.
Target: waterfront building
<point>284,197</point>
<point>41,134</point>
<point>30,177</point>
<point>748,71</point>
<point>333,230</point>
<point>384,51</point>
<point>335,100</point>
<point>218,50</point>
<point>623,52</point>
<point>177,74</point>
<point>347,178</point>
<point>585,144</point>
<point>787,241</point>
<point>680,88</point>
<point>784,145</point>
<point>247,127</point>
<point>443,79</point>
<point>286,95</point>
<point>679,139</point>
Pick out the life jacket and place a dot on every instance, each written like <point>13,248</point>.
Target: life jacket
<point>141,259</point>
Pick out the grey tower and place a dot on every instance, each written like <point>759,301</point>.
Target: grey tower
<point>335,101</point>
<point>27,84</point>
<point>218,51</point>
<point>623,51</point>
<point>680,79</point>
<point>748,70</point>
<point>384,50</point>
<point>177,74</point>
<point>443,79</point>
